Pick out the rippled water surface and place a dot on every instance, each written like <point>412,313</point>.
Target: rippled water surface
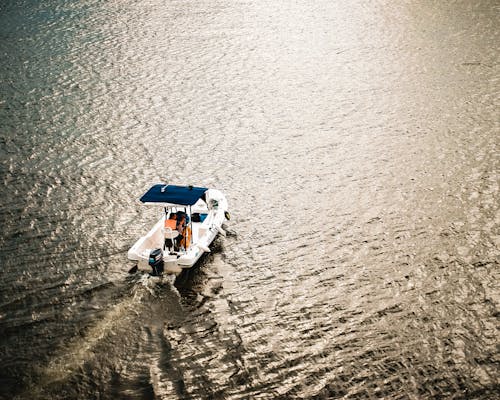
<point>357,144</point>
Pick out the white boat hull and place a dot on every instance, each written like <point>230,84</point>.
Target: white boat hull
<point>203,234</point>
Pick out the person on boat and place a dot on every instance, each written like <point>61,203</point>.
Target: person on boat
<point>170,230</point>
<point>184,230</point>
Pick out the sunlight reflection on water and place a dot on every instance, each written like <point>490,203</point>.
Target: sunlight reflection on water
<point>356,144</point>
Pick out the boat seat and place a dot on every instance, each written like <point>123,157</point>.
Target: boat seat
<point>169,229</point>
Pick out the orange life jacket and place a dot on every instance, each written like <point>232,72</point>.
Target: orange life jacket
<point>171,224</point>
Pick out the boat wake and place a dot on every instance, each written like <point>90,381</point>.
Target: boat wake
<point>119,329</point>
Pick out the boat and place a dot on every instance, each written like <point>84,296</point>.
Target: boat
<point>192,217</point>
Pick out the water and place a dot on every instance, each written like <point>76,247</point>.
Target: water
<point>357,144</point>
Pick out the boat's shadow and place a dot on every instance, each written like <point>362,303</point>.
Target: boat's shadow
<point>192,281</point>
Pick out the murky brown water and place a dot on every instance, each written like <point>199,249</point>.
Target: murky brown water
<point>357,143</point>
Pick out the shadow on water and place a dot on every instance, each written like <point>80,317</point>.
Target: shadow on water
<point>190,280</point>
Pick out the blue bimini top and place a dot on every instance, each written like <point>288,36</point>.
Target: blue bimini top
<point>172,194</point>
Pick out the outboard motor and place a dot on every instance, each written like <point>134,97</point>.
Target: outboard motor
<point>156,262</point>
